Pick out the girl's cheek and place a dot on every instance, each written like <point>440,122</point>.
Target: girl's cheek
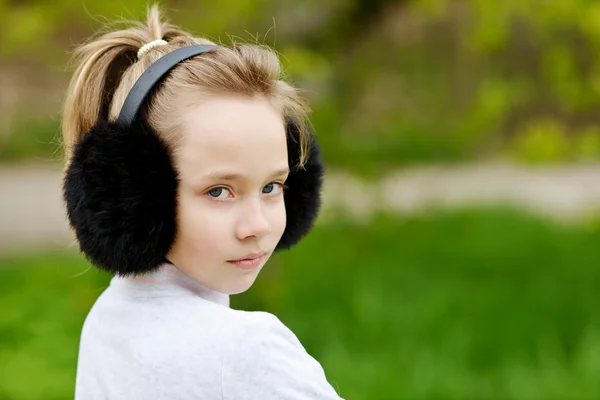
<point>279,220</point>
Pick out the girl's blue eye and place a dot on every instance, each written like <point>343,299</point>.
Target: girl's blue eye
<point>216,193</point>
<point>272,188</point>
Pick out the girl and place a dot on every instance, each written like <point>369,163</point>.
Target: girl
<point>188,165</point>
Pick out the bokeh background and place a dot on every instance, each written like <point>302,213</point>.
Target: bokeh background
<point>457,254</point>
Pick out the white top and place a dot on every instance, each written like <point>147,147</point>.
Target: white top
<point>165,336</point>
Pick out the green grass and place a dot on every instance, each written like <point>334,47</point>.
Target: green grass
<point>476,304</point>
<point>44,299</point>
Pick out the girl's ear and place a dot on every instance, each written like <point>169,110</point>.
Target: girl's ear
<point>303,194</point>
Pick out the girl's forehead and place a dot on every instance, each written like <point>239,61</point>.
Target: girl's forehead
<point>237,158</point>
<point>227,111</point>
<point>235,136</point>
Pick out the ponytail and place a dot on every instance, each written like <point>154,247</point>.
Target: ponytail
<point>101,63</point>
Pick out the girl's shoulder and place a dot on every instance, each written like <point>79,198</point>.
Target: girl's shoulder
<point>262,324</point>
<point>260,333</point>
<point>265,359</point>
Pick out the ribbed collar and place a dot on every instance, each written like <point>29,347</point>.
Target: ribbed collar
<point>169,279</point>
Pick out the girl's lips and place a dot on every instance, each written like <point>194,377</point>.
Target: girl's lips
<point>247,263</point>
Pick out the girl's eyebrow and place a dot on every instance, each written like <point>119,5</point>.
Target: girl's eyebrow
<point>282,171</point>
<point>232,176</point>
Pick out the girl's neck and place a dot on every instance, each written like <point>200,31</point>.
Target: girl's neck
<point>169,276</point>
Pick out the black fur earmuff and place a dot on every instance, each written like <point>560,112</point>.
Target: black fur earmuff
<point>120,187</point>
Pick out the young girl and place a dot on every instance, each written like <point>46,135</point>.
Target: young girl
<point>188,165</point>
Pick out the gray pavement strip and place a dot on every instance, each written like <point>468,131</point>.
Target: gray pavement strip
<point>32,213</point>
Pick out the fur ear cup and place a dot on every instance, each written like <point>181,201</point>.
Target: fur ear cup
<point>303,194</point>
<point>120,190</point>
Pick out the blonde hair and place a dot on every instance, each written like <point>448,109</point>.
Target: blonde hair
<point>107,68</point>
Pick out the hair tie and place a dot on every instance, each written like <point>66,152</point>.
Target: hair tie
<point>149,46</point>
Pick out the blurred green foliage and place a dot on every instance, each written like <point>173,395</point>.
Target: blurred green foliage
<point>472,304</point>
<point>34,138</point>
<point>391,82</point>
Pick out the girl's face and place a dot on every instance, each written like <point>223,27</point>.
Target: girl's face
<point>232,164</point>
